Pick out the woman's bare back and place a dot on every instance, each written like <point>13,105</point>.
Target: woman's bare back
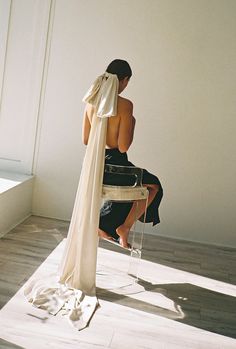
<point>120,128</point>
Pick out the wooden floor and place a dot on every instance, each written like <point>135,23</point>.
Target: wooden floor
<point>186,294</point>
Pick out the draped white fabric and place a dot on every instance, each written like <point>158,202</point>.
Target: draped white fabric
<point>73,288</point>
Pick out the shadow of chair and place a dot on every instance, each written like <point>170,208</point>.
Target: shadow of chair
<point>195,306</point>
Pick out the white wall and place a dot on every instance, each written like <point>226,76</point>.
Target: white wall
<point>183,55</point>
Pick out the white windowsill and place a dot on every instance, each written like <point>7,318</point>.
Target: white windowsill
<point>9,180</point>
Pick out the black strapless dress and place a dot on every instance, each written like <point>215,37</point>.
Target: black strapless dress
<point>113,214</point>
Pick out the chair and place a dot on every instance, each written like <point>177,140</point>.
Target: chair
<point>123,194</point>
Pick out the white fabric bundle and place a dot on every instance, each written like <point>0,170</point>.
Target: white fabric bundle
<point>73,289</point>
<point>103,95</point>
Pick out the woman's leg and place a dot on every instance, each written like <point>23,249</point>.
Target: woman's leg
<point>137,210</point>
<point>102,234</point>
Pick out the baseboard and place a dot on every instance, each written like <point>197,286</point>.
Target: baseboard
<point>14,225</point>
<point>172,238</point>
<point>50,217</point>
<point>186,241</point>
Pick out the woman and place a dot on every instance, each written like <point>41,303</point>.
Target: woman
<point>116,219</point>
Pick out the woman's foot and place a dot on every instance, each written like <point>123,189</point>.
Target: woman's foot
<point>123,233</point>
<point>102,234</point>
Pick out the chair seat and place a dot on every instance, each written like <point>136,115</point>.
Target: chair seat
<point>124,193</point>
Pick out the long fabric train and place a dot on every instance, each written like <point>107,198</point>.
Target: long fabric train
<point>73,288</point>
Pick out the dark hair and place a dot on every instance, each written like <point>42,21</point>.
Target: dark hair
<point>121,68</point>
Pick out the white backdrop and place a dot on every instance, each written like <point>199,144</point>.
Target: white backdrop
<point>183,56</point>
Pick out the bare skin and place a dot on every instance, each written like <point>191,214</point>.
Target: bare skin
<point>120,132</point>
<point>124,229</point>
<point>104,235</point>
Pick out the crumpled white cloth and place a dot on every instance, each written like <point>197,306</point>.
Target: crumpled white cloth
<point>103,95</point>
<point>54,297</point>
<point>73,288</point>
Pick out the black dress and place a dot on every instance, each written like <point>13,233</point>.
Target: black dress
<point>113,214</point>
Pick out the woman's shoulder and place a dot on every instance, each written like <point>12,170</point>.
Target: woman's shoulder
<point>124,102</point>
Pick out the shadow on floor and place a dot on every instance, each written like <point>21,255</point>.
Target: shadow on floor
<point>194,306</point>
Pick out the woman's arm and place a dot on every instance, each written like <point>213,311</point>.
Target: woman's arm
<point>86,127</point>
<point>126,129</point>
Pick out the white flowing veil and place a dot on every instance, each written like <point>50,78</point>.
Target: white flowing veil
<point>73,288</point>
